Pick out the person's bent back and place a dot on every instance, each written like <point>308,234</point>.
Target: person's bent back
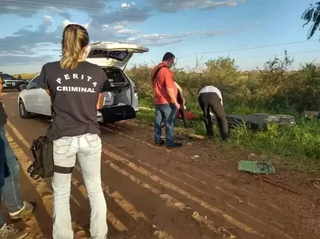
<point>75,88</point>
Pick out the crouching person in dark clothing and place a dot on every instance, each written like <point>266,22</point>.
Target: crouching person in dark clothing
<point>210,98</point>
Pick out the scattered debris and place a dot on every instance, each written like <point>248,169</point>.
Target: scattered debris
<point>275,182</point>
<point>256,167</point>
<point>251,156</point>
<point>311,114</point>
<point>196,136</point>
<point>195,156</point>
<point>316,185</point>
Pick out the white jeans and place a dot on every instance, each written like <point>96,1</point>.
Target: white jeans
<point>87,149</point>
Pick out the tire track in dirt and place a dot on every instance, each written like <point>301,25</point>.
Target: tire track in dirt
<point>79,232</point>
<point>285,210</point>
<point>20,137</point>
<point>24,141</point>
<point>148,191</point>
<point>207,194</point>
<point>160,234</point>
<point>271,216</point>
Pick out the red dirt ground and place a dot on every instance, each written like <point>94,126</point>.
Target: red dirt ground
<point>158,193</point>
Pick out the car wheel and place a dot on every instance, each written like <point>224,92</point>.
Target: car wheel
<point>24,114</point>
<point>20,87</point>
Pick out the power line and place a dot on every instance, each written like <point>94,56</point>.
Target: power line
<point>277,55</point>
<point>129,16</point>
<point>248,48</point>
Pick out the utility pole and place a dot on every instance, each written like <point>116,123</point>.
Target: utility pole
<point>197,63</point>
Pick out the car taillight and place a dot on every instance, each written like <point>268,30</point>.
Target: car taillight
<point>135,90</point>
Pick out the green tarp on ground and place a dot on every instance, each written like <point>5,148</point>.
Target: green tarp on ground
<point>256,167</point>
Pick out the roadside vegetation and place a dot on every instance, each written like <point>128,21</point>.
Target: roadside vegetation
<point>274,90</point>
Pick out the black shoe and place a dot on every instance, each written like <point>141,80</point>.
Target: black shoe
<point>161,143</point>
<point>210,136</point>
<point>175,145</point>
<point>228,140</point>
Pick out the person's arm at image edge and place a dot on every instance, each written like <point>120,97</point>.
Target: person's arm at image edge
<point>1,87</point>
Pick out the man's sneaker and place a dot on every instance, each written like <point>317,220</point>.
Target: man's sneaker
<point>26,210</point>
<point>159,143</point>
<point>10,232</point>
<point>175,145</point>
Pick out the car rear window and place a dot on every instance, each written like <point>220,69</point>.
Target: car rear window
<point>115,75</point>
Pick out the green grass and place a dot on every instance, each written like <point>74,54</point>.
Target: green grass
<point>273,89</point>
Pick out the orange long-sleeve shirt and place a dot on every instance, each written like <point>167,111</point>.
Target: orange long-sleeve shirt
<point>163,81</point>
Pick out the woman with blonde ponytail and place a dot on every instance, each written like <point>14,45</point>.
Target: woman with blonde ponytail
<point>75,87</point>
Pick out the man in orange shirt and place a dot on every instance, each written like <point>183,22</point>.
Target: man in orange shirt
<point>165,100</point>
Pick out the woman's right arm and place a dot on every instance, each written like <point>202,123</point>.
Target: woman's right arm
<point>105,86</point>
<point>100,101</point>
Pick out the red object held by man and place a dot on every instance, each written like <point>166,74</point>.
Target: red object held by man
<point>189,115</point>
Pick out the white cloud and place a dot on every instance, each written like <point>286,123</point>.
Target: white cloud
<point>126,5</point>
<point>52,6</point>
<point>119,29</point>
<point>176,5</point>
<point>47,20</point>
<point>104,23</point>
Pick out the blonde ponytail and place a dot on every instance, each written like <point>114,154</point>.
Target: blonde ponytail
<point>74,39</point>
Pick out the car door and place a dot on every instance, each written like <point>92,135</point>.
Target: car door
<point>44,102</point>
<point>32,95</point>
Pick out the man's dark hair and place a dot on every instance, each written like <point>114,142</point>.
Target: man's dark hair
<point>168,56</point>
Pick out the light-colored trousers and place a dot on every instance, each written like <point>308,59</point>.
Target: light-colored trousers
<point>87,149</point>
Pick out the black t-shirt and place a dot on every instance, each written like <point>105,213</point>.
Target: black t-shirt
<point>74,95</point>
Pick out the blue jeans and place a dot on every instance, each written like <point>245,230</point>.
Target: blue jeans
<point>165,113</point>
<point>10,191</point>
<point>87,149</point>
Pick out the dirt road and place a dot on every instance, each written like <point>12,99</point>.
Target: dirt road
<point>158,193</point>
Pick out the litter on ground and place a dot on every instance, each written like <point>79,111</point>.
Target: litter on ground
<point>256,167</point>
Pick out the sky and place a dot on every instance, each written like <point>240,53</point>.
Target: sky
<point>250,31</point>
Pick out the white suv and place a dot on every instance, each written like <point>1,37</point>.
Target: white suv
<point>120,103</point>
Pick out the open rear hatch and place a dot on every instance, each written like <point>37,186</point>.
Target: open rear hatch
<point>113,57</point>
<point>113,54</point>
